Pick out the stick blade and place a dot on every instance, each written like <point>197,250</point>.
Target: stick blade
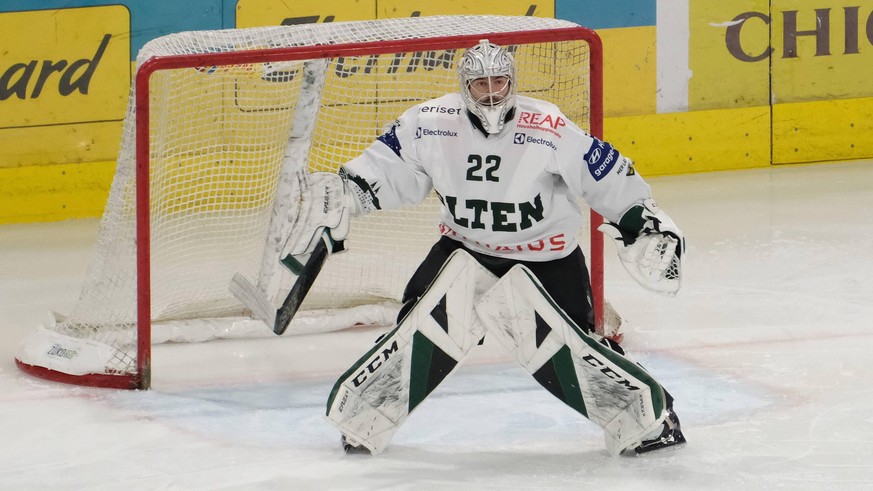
<point>254,299</point>
<point>262,308</point>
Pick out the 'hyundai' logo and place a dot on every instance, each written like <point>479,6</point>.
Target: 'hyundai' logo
<point>595,156</point>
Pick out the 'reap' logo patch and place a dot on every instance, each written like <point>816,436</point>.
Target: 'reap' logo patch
<point>542,122</point>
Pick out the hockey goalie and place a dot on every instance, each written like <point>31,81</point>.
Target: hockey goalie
<point>507,266</point>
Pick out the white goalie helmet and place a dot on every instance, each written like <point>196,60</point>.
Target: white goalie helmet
<point>493,103</point>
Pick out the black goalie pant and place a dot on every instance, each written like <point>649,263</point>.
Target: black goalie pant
<point>565,279</point>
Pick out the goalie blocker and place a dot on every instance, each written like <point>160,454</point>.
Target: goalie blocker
<point>323,227</point>
<point>465,301</point>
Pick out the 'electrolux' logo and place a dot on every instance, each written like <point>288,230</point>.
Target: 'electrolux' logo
<point>542,141</point>
<point>419,132</point>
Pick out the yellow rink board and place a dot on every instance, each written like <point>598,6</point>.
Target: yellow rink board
<point>680,143</point>
<point>48,193</point>
<point>822,131</point>
<point>660,144</point>
<point>63,95</point>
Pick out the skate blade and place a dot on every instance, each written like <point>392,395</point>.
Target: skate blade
<point>664,449</point>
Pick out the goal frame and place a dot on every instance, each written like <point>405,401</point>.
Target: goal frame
<point>141,379</point>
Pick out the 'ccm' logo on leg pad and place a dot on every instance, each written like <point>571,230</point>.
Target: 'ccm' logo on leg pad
<point>374,364</point>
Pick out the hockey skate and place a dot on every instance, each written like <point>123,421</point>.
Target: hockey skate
<point>671,437</point>
<point>349,448</point>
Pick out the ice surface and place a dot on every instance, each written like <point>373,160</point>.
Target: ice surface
<point>768,350</point>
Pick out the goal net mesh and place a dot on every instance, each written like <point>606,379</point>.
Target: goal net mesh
<point>224,139</point>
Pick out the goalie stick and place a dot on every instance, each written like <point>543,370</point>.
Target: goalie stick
<point>279,319</point>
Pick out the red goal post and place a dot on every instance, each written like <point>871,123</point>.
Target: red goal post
<point>403,44</point>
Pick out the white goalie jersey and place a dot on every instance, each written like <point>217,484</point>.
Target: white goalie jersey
<point>512,194</point>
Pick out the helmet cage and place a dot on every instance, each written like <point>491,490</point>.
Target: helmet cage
<point>481,61</point>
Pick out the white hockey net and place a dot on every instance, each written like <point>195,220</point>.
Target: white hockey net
<point>233,116</point>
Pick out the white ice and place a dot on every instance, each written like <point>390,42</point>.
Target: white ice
<point>768,350</point>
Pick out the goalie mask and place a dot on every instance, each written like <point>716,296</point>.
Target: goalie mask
<point>487,76</point>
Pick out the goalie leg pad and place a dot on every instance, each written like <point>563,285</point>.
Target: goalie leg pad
<point>376,395</point>
<point>601,384</point>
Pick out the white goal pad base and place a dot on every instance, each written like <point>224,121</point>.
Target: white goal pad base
<point>55,351</point>
<point>307,322</point>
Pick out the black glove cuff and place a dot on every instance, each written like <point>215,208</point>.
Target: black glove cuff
<point>632,222</point>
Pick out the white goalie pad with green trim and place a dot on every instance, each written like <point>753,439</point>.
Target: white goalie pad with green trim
<point>376,395</point>
<point>601,384</point>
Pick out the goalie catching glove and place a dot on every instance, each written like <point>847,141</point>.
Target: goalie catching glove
<point>650,246</point>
